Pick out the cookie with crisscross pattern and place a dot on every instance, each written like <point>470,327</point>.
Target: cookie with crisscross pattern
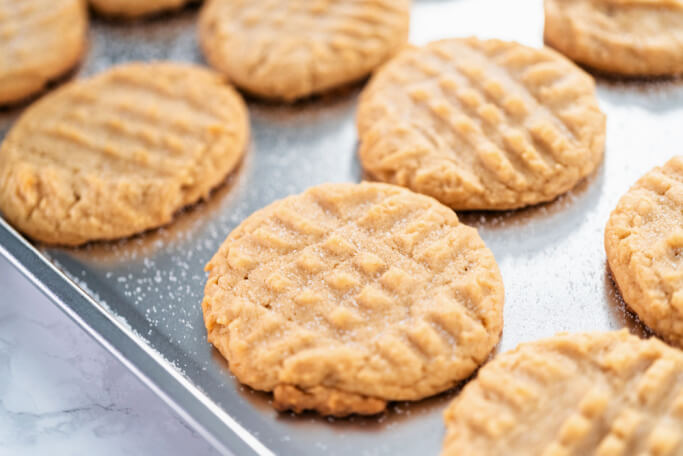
<point>289,49</point>
<point>39,41</point>
<point>629,37</point>
<point>603,394</point>
<point>481,124</point>
<point>120,153</point>
<point>644,244</point>
<point>351,295</point>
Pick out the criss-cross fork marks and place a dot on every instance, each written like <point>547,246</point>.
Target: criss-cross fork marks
<point>121,152</point>
<point>644,240</point>
<point>506,121</point>
<point>377,267</point>
<point>614,395</point>
<point>129,123</point>
<point>331,27</point>
<point>666,192</point>
<point>25,25</point>
<point>330,42</point>
<point>39,40</point>
<point>646,422</point>
<point>627,37</point>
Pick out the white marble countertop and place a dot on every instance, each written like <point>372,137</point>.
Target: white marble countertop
<point>63,394</point>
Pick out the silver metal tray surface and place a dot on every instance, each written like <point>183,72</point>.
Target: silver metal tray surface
<point>141,297</point>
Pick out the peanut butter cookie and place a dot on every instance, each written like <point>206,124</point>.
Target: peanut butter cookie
<point>481,124</point>
<point>135,8</point>
<point>629,37</point>
<point>120,153</point>
<point>644,244</point>
<point>574,394</point>
<point>39,41</point>
<point>289,49</point>
<point>351,295</point>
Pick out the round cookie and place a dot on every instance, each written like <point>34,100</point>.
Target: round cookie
<point>644,244</point>
<point>289,49</point>
<point>135,8</point>
<point>481,124</point>
<point>351,295</point>
<point>628,37</point>
<point>119,153</point>
<point>39,41</point>
<point>574,394</point>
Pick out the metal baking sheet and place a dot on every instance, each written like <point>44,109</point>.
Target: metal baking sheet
<point>141,297</point>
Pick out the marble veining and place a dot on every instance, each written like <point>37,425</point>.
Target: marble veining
<point>63,394</point>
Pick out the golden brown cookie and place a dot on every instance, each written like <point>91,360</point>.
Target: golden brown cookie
<point>629,37</point>
<point>644,244</point>
<point>135,8</point>
<point>351,295</point>
<point>481,124</point>
<point>601,394</point>
<point>39,41</point>
<point>119,153</point>
<point>289,49</point>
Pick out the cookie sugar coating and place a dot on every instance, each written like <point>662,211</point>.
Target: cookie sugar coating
<point>629,37</point>
<point>351,295</point>
<point>574,394</point>
<point>644,244</point>
<point>39,41</point>
<point>135,8</point>
<point>289,49</point>
<point>481,124</point>
<point>119,153</point>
